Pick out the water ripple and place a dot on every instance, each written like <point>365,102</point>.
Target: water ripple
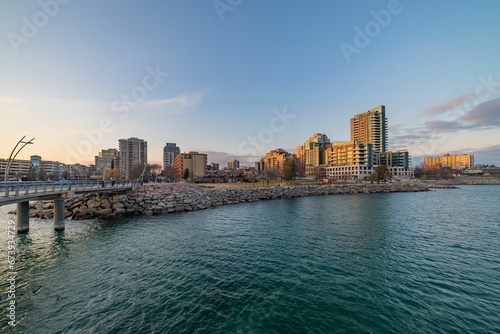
<point>340,264</point>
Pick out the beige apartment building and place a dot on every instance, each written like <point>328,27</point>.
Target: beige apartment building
<point>314,161</point>
<point>457,161</point>
<point>275,159</point>
<point>195,162</point>
<point>349,153</point>
<point>349,160</point>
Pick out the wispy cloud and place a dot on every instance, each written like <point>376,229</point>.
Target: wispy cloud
<point>450,104</point>
<point>11,105</point>
<point>446,126</point>
<point>481,117</point>
<point>173,105</point>
<point>433,136</point>
<point>485,115</point>
<point>184,100</point>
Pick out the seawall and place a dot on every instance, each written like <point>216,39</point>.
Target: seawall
<point>161,199</point>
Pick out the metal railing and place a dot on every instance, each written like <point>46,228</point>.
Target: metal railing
<point>22,188</point>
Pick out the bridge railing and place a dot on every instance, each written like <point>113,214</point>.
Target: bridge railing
<point>21,188</point>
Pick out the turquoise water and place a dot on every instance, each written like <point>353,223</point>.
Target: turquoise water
<point>365,263</point>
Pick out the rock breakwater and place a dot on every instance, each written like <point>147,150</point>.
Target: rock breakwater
<point>161,199</point>
<point>468,180</point>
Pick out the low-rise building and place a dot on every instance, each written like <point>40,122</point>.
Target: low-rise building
<point>349,160</point>
<point>274,160</point>
<point>194,162</point>
<point>456,161</point>
<point>349,153</point>
<point>399,158</point>
<point>18,168</point>
<point>350,172</point>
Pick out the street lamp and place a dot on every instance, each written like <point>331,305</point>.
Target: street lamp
<point>15,155</point>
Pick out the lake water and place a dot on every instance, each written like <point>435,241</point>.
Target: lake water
<point>364,263</point>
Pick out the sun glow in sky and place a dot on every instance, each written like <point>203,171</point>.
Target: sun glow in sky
<point>237,78</point>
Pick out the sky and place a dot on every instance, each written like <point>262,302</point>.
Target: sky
<point>238,78</point>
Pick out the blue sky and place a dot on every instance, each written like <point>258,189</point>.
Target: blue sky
<point>237,78</point>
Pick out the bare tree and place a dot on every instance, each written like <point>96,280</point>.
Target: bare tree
<point>136,172</point>
<point>271,173</point>
<point>155,170</point>
<point>169,172</point>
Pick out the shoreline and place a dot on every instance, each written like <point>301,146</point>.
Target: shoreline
<point>463,181</point>
<point>168,198</point>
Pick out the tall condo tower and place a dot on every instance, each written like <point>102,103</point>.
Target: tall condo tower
<point>170,152</point>
<point>133,152</point>
<point>370,127</point>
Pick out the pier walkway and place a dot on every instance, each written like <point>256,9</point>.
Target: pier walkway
<point>21,193</point>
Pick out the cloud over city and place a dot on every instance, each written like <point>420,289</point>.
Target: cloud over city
<point>425,136</point>
<point>450,104</point>
<point>486,115</point>
<point>183,100</point>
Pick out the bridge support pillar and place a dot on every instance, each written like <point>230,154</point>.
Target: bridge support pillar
<point>23,217</point>
<point>59,215</point>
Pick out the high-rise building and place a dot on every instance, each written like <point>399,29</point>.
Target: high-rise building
<point>170,152</point>
<point>133,152</point>
<point>258,167</point>
<point>370,127</point>
<point>314,155</point>
<point>194,162</point>
<point>233,165</point>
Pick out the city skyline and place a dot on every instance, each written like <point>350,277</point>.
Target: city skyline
<point>237,81</point>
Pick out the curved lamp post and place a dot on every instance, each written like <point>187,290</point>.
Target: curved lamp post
<point>15,155</point>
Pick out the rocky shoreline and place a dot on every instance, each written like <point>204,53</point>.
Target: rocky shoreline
<point>161,199</point>
<point>469,180</point>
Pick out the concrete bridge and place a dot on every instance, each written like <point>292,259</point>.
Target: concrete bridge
<point>21,193</point>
